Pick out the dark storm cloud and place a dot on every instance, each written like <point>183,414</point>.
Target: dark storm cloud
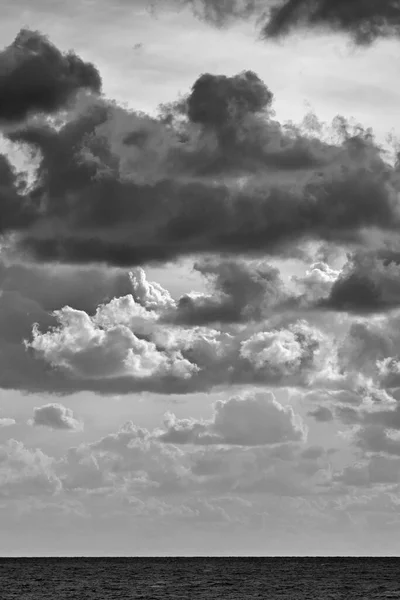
<point>236,133</point>
<point>36,77</point>
<point>104,194</point>
<point>368,283</point>
<point>16,210</point>
<point>217,101</point>
<point>241,292</point>
<point>363,20</point>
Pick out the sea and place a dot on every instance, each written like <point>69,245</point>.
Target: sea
<point>205,578</point>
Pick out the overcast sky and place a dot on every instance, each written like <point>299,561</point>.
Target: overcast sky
<point>200,301</point>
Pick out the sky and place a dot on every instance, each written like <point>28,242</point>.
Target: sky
<point>199,278</point>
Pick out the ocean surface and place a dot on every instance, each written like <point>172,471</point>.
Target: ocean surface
<point>205,578</point>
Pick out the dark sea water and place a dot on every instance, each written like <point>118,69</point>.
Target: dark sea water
<point>206,578</point>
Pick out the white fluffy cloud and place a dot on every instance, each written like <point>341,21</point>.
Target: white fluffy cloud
<point>283,353</point>
<point>6,422</point>
<point>103,347</point>
<point>56,416</point>
<point>126,347</point>
<point>317,281</point>
<point>150,294</point>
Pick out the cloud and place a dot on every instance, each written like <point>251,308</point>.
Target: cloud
<point>149,294</point>
<point>215,177</point>
<point>217,101</point>
<point>125,348</point>
<point>371,414</point>
<point>133,471</point>
<point>322,414</point>
<point>99,349</point>
<point>363,21</point>
<point>367,342</point>
<point>25,472</point>
<point>242,292</point>
<point>377,438</point>
<point>128,459</point>
<point>286,352</point>
<point>252,420</point>
<point>216,12</point>
<point>6,422</point>
<point>137,462</point>
<point>135,342</point>
<point>264,190</point>
<point>317,282</point>
<point>36,77</point>
<point>54,286</point>
<point>376,470</point>
<point>121,346</point>
<point>368,283</point>
<point>370,348</point>
<point>286,469</point>
<point>56,416</point>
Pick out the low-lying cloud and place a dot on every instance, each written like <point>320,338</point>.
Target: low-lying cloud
<point>55,416</point>
<point>252,420</point>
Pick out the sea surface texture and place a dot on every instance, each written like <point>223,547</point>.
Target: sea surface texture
<point>205,578</point>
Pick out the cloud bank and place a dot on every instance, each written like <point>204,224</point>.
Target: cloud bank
<point>214,173</point>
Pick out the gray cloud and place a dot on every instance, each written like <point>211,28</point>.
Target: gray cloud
<point>216,101</point>
<point>216,12</point>
<point>166,201</point>
<point>322,414</point>
<point>37,77</point>
<point>368,283</point>
<point>122,349</point>
<point>6,422</point>
<point>252,420</point>
<point>136,461</point>
<point>54,286</point>
<point>25,472</point>
<point>55,416</point>
<point>129,344</point>
<point>371,416</point>
<point>211,174</point>
<point>367,342</point>
<point>241,292</point>
<point>376,438</point>
<point>363,21</point>
<point>376,470</point>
